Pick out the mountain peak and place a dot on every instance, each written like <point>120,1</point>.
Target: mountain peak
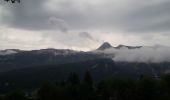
<point>104,46</point>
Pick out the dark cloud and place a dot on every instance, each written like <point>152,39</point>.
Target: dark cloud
<point>143,16</point>
<point>29,14</point>
<point>151,17</point>
<point>58,24</point>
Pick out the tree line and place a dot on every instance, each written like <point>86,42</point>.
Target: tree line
<point>74,88</point>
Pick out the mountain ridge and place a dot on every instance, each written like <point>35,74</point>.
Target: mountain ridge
<point>36,66</point>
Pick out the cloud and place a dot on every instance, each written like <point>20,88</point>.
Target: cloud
<point>155,54</point>
<point>147,17</point>
<point>117,21</point>
<point>85,35</point>
<point>130,15</point>
<point>58,24</point>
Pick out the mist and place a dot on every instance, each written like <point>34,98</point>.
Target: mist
<point>146,54</point>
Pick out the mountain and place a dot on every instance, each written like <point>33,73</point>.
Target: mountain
<point>107,45</point>
<point>11,59</point>
<point>34,58</point>
<point>9,51</point>
<point>104,46</point>
<point>27,69</point>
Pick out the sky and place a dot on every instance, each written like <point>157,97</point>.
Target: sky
<point>83,24</point>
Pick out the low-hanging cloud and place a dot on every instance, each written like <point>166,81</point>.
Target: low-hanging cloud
<point>58,24</point>
<point>85,35</point>
<point>155,54</point>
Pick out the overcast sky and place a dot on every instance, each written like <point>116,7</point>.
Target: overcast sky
<point>83,24</point>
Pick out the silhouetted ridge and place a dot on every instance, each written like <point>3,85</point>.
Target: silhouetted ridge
<point>129,47</point>
<point>104,46</point>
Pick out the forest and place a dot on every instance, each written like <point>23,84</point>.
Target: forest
<point>74,88</point>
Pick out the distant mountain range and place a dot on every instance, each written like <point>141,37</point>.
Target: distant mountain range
<point>106,45</point>
<point>27,69</point>
<point>11,59</point>
<point>15,59</point>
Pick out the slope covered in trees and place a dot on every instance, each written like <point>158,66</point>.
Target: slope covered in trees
<point>145,88</point>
